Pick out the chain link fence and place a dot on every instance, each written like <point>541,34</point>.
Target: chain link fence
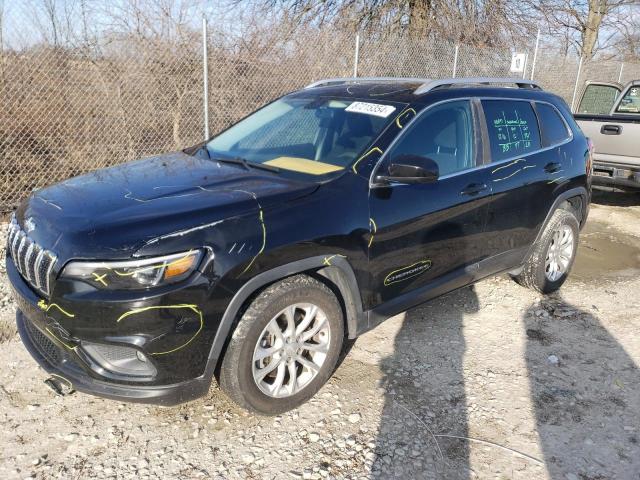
<point>72,109</point>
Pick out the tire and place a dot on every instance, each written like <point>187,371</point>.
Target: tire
<point>241,367</point>
<point>536,273</point>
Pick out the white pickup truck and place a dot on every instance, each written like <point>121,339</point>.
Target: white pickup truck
<point>609,114</point>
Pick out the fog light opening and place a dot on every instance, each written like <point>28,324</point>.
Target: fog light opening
<point>119,361</point>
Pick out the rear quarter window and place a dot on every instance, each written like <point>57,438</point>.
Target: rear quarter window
<point>512,127</point>
<point>554,129</point>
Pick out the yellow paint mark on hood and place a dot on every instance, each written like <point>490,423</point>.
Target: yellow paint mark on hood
<point>303,165</point>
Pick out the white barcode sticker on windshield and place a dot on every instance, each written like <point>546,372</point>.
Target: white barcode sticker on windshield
<point>371,109</point>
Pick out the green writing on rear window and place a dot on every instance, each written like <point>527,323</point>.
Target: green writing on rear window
<point>512,132</point>
<point>512,127</point>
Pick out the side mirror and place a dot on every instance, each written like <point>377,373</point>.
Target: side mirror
<point>410,169</point>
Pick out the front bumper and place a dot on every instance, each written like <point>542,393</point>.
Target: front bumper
<point>55,360</point>
<point>57,344</point>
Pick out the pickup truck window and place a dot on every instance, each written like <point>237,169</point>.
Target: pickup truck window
<point>512,127</point>
<point>444,134</point>
<point>630,103</point>
<point>598,99</point>
<point>554,129</point>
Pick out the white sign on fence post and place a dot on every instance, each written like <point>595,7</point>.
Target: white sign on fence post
<point>517,62</point>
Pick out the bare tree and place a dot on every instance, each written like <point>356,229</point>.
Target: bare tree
<point>588,25</point>
<point>475,22</point>
<point>49,7</point>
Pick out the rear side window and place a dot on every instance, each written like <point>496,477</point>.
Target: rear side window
<point>598,99</point>
<point>630,103</point>
<point>512,128</point>
<point>554,130</point>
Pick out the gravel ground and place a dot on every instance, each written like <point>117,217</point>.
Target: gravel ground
<point>492,381</point>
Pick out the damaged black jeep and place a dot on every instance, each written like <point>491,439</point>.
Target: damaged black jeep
<point>252,257</point>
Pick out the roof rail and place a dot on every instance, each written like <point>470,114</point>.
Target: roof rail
<point>341,80</point>
<point>448,82</point>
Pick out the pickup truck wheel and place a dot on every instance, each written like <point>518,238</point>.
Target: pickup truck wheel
<point>553,254</point>
<point>285,347</point>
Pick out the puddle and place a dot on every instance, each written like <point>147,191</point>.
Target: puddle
<point>604,252</point>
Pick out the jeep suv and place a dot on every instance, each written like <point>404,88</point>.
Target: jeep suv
<point>254,256</point>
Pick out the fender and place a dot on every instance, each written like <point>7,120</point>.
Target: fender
<point>337,270</point>
<point>573,192</point>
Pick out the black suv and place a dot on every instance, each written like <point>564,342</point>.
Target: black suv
<point>252,257</point>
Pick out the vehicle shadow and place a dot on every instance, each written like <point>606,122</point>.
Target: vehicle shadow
<point>425,394</point>
<point>585,390</point>
<point>615,198</point>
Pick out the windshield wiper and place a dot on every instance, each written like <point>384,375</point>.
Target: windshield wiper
<point>246,163</point>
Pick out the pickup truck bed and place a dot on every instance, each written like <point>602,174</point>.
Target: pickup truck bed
<point>616,138</point>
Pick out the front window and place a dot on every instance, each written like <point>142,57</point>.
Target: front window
<point>443,134</point>
<point>307,135</point>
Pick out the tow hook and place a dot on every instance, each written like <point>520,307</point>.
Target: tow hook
<point>59,385</point>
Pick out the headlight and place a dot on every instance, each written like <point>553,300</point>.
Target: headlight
<point>135,274</point>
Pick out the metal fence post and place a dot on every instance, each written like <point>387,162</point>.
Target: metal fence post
<point>620,74</point>
<point>205,78</point>
<point>535,55</point>
<point>357,56</point>
<point>455,61</point>
<point>575,88</point>
<point>526,61</point>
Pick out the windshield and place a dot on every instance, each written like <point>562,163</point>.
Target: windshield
<point>308,135</point>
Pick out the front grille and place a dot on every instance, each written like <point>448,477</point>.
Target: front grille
<point>45,346</point>
<point>32,261</point>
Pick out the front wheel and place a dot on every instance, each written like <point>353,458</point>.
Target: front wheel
<point>553,254</point>
<point>285,347</point>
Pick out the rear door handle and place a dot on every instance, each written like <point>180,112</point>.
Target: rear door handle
<point>552,167</point>
<point>473,189</point>
<point>611,130</point>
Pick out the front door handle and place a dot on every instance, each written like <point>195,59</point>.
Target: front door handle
<point>473,189</point>
<point>611,130</point>
<point>552,167</point>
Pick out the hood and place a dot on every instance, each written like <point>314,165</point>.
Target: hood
<point>111,213</point>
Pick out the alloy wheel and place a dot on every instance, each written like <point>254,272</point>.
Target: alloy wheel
<point>291,350</point>
<point>559,253</point>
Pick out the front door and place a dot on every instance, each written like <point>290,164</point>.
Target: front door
<point>422,233</point>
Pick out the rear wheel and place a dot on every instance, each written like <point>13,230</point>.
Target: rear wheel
<point>553,254</point>
<point>285,346</point>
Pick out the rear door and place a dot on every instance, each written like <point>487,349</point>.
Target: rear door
<point>424,233</point>
<point>525,168</point>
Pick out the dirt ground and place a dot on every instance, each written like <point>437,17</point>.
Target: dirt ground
<point>492,381</point>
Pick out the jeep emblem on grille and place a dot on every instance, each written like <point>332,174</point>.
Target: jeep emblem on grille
<point>29,225</point>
